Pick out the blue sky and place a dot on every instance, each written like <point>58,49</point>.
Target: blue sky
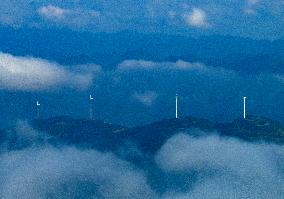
<point>248,18</point>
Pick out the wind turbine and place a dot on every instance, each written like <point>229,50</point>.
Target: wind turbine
<point>176,106</point>
<point>38,109</point>
<point>91,111</point>
<point>245,107</point>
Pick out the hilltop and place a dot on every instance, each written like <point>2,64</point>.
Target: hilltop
<point>254,129</point>
<point>148,138</point>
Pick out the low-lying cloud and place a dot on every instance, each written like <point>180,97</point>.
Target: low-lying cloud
<point>29,74</point>
<point>69,173</point>
<point>22,136</point>
<point>225,168</point>
<point>147,98</point>
<point>205,167</point>
<point>179,65</point>
<point>129,65</point>
<point>34,170</point>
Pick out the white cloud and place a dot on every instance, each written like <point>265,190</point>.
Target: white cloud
<point>250,11</point>
<point>23,136</point>
<point>136,64</point>
<point>27,73</point>
<point>180,65</point>
<point>52,12</point>
<point>150,65</point>
<point>147,98</point>
<point>250,8</point>
<point>225,167</point>
<point>206,167</point>
<point>253,2</point>
<point>71,17</point>
<point>197,18</point>
<point>68,172</point>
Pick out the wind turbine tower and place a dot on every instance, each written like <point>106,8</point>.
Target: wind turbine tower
<point>37,109</point>
<point>245,107</point>
<point>176,106</point>
<point>91,108</point>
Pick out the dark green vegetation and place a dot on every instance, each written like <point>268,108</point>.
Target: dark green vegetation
<point>254,129</point>
<point>137,145</point>
<point>88,133</point>
<point>149,138</point>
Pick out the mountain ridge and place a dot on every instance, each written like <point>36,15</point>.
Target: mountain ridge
<point>109,49</point>
<point>106,136</point>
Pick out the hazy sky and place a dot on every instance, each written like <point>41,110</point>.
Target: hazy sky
<point>249,18</point>
<point>133,56</point>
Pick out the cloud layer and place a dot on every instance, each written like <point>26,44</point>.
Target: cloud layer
<point>31,168</point>
<point>27,73</point>
<point>241,18</point>
<point>69,173</point>
<point>226,168</point>
<point>184,167</point>
<point>133,65</point>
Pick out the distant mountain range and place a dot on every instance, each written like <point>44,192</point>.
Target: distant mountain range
<point>108,49</point>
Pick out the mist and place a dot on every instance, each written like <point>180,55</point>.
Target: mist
<point>184,167</point>
<point>226,168</point>
<point>137,92</point>
<point>214,93</point>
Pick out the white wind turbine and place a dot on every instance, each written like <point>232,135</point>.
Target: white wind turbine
<point>91,108</point>
<point>38,109</point>
<point>176,106</point>
<point>245,107</point>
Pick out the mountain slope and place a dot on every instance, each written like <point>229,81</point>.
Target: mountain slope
<point>254,129</point>
<point>151,137</point>
<point>63,130</point>
<point>148,138</point>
